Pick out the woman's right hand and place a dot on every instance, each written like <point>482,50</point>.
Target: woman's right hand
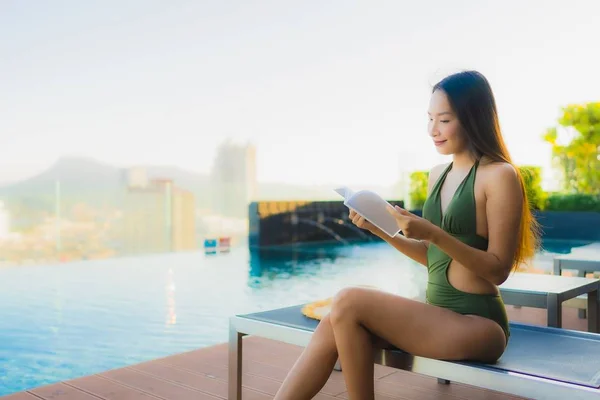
<point>361,222</point>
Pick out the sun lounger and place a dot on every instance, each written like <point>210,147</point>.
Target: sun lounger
<point>539,363</point>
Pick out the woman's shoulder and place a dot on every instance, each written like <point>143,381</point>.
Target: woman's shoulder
<point>497,169</point>
<point>498,175</point>
<point>437,170</point>
<point>434,175</point>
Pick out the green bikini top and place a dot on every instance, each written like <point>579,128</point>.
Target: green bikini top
<point>460,219</point>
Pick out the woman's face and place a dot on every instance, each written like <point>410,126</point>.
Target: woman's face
<point>444,127</point>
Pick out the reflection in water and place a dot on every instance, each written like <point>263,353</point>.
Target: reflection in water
<point>325,268</point>
<point>170,293</point>
<point>322,263</point>
<point>561,246</point>
<point>58,306</point>
<point>290,261</point>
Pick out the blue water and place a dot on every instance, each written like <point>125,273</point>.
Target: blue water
<point>59,322</point>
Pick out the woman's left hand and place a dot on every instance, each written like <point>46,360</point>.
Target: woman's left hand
<point>412,226</point>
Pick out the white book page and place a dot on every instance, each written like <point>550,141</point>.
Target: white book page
<point>372,207</point>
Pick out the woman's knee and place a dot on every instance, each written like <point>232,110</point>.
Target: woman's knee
<point>325,324</point>
<point>324,332</point>
<point>343,306</point>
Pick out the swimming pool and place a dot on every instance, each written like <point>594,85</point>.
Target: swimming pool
<point>59,322</point>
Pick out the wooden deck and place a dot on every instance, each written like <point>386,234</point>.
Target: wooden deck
<point>202,374</point>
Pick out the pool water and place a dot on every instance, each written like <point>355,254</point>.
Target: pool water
<point>561,246</point>
<point>59,322</point>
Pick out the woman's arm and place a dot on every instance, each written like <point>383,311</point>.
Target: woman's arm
<point>503,210</point>
<point>415,249</point>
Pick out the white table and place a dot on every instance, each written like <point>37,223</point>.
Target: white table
<point>549,292</point>
<point>583,260</point>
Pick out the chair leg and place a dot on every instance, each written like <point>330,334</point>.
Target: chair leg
<point>443,381</point>
<point>582,312</point>
<point>234,391</point>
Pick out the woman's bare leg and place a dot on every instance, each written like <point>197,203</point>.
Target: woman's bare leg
<point>314,366</point>
<point>418,328</point>
<point>355,349</point>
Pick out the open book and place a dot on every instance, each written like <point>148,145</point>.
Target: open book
<point>372,207</point>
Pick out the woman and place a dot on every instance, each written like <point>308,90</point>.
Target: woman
<point>476,228</point>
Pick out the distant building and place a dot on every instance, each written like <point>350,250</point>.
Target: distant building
<point>159,217</point>
<point>233,179</point>
<point>183,230</point>
<point>4,221</point>
<point>137,177</point>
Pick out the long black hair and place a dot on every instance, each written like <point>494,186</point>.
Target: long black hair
<point>472,100</point>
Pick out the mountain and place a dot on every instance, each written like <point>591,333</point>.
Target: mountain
<point>71,171</point>
<point>81,179</point>
<point>98,183</point>
<point>91,181</point>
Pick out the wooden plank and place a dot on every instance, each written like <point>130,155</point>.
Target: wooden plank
<point>20,396</point>
<point>423,386</point>
<point>210,385</point>
<point>258,378</point>
<point>154,386</point>
<point>63,392</point>
<point>108,390</point>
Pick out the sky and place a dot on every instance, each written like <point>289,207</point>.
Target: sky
<point>328,91</point>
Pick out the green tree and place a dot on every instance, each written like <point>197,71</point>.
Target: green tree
<point>418,189</point>
<point>579,159</point>
<point>532,178</point>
